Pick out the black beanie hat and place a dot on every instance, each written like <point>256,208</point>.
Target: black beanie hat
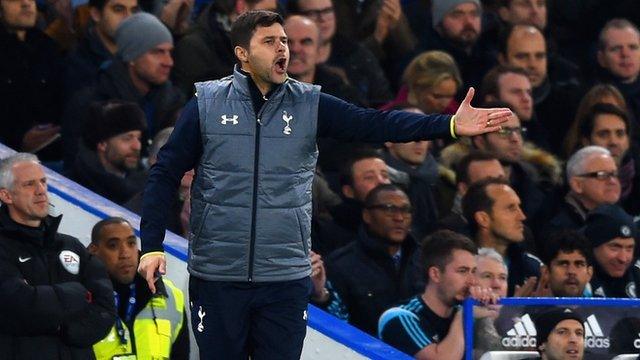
<point>545,322</point>
<point>607,222</point>
<point>110,118</point>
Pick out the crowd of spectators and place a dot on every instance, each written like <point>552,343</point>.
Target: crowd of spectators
<point>94,90</point>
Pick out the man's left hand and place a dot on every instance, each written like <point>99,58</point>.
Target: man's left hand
<point>470,121</point>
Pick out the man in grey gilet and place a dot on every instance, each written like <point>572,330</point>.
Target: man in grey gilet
<point>251,138</point>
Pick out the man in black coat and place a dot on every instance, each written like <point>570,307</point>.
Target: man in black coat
<point>377,269</point>
<point>30,82</point>
<point>108,160</point>
<point>57,300</point>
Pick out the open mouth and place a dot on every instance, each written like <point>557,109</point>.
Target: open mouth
<point>281,65</point>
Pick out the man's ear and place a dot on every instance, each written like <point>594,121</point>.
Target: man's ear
<point>575,184</point>
<point>503,13</point>
<point>241,53</point>
<point>5,196</point>
<point>482,219</point>
<point>589,272</point>
<point>366,217</point>
<point>434,274</point>
<point>462,188</point>
<point>479,142</point>
<point>240,7</point>
<point>101,147</point>
<point>95,14</point>
<point>348,192</point>
<point>92,248</point>
<point>601,61</point>
<point>502,60</point>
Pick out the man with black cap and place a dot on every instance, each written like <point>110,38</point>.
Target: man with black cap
<point>612,234</point>
<point>108,160</point>
<point>560,335</point>
<point>139,73</point>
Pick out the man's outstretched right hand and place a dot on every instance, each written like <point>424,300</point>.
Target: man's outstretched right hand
<point>152,266</point>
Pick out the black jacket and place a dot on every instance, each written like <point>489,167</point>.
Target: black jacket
<point>365,277</point>
<point>84,62</point>
<point>570,215</point>
<point>555,104</point>
<point>88,171</point>
<point>522,265</point>
<point>362,69</point>
<point>31,87</point>
<point>205,53</point>
<point>627,286</point>
<point>57,300</point>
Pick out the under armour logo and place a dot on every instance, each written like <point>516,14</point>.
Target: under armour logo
<point>304,315</point>
<point>287,118</point>
<point>201,315</point>
<point>233,120</point>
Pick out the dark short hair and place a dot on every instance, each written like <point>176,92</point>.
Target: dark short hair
<point>437,249</point>
<point>97,228</point>
<point>246,24</point>
<point>566,241</point>
<point>588,122</point>
<point>490,82</point>
<point>477,199</point>
<point>346,173</point>
<point>505,34</point>
<point>372,196</point>
<point>462,168</point>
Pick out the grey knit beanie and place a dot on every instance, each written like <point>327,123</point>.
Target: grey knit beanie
<point>440,8</point>
<point>140,33</point>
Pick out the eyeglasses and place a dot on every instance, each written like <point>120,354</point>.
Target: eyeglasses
<point>600,175</point>
<point>391,210</point>
<point>317,13</point>
<point>507,131</point>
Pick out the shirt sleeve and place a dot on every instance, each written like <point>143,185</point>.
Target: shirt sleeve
<point>401,329</point>
<point>179,155</point>
<point>341,120</point>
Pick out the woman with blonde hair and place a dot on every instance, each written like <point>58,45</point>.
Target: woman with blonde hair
<point>433,80</point>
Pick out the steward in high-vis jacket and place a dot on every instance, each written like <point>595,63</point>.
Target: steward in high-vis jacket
<point>252,139</point>
<point>56,300</point>
<point>148,326</point>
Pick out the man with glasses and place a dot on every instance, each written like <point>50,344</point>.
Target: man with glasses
<point>375,270</point>
<point>612,233</point>
<point>609,126</point>
<point>592,176</point>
